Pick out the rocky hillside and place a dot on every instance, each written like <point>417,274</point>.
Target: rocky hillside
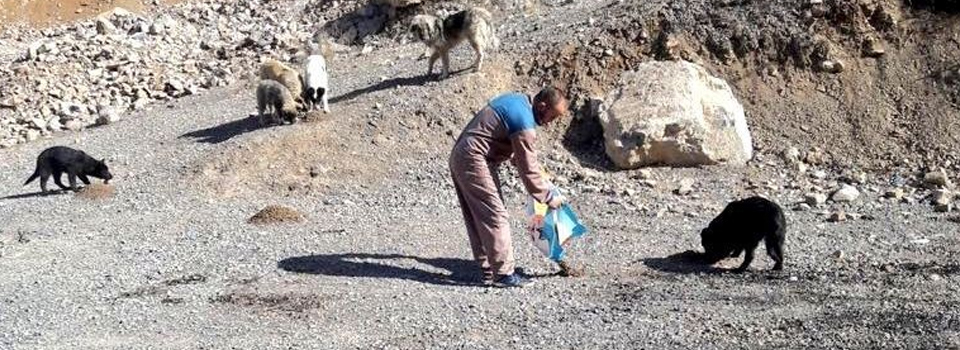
<point>872,83</point>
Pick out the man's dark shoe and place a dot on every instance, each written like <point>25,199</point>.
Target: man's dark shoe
<point>511,281</point>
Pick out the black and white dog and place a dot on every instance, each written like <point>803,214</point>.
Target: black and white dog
<point>316,82</point>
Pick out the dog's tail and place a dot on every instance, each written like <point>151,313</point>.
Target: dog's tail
<point>36,174</point>
<point>487,31</point>
<point>483,13</point>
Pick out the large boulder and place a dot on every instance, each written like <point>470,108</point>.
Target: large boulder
<point>675,114</point>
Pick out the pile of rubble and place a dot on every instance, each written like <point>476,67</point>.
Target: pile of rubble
<point>90,72</point>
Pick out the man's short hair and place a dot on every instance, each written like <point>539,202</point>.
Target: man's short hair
<point>550,96</point>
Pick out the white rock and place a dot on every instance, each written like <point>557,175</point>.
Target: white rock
<point>104,27</point>
<point>846,193</point>
<point>832,66</point>
<point>39,123</point>
<point>894,193</point>
<point>107,116</point>
<point>32,135</point>
<point>685,187</point>
<point>937,178</point>
<point>674,113</point>
<point>837,216</point>
<point>941,197</point>
<point>791,155</point>
<point>73,125</point>
<point>814,199</point>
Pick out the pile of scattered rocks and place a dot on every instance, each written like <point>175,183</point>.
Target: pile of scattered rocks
<point>90,72</point>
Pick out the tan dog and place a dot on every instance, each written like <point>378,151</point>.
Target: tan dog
<point>276,99</point>
<point>442,35</point>
<point>272,69</point>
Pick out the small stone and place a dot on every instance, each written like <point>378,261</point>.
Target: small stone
<point>366,49</point>
<point>140,103</point>
<point>846,193</point>
<point>802,207</point>
<point>38,123</point>
<point>855,177</point>
<point>107,116</point>
<point>934,277</point>
<point>832,66</point>
<point>793,279</point>
<point>837,255</point>
<point>157,28</point>
<point>73,125</point>
<point>644,174</point>
<point>586,173</point>
<point>8,103</point>
<point>32,135</point>
<point>799,167</point>
<point>814,199</point>
<point>104,27</point>
<point>791,155</point>
<point>941,197</point>
<point>685,188</point>
<point>818,174</point>
<point>873,47</point>
<point>894,193</point>
<point>935,179</point>
<point>53,124</point>
<point>837,216</point>
<point>649,183</point>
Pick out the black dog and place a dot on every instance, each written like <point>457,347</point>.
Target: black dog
<point>58,160</point>
<point>740,227</point>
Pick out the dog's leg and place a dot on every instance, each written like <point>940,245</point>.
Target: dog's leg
<point>736,253</point>
<point>56,180</point>
<point>84,178</point>
<point>326,106</point>
<point>433,59</point>
<point>446,65</point>
<point>747,257</point>
<point>72,178</point>
<point>309,98</point>
<point>278,113</point>
<point>478,62</point>
<point>775,250</point>
<point>260,108</point>
<point>43,181</point>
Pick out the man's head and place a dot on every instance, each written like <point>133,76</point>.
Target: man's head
<point>548,105</point>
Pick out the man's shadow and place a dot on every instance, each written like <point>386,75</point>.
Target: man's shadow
<point>461,272</point>
<point>391,83</point>
<point>684,262</point>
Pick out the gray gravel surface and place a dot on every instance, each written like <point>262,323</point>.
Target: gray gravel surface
<point>382,261</point>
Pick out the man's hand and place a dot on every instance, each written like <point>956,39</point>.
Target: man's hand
<point>556,202</point>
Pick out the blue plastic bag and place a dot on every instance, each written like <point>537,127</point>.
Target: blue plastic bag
<point>552,229</point>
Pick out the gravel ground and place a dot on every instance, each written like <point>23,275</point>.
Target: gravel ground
<point>382,261</point>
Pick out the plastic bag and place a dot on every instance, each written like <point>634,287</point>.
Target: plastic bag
<point>552,230</point>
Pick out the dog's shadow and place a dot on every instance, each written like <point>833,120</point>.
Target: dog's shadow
<point>417,80</point>
<point>35,194</point>
<point>684,262</point>
<point>226,131</point>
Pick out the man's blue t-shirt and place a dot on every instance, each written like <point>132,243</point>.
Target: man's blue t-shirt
<point>515,111</point>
